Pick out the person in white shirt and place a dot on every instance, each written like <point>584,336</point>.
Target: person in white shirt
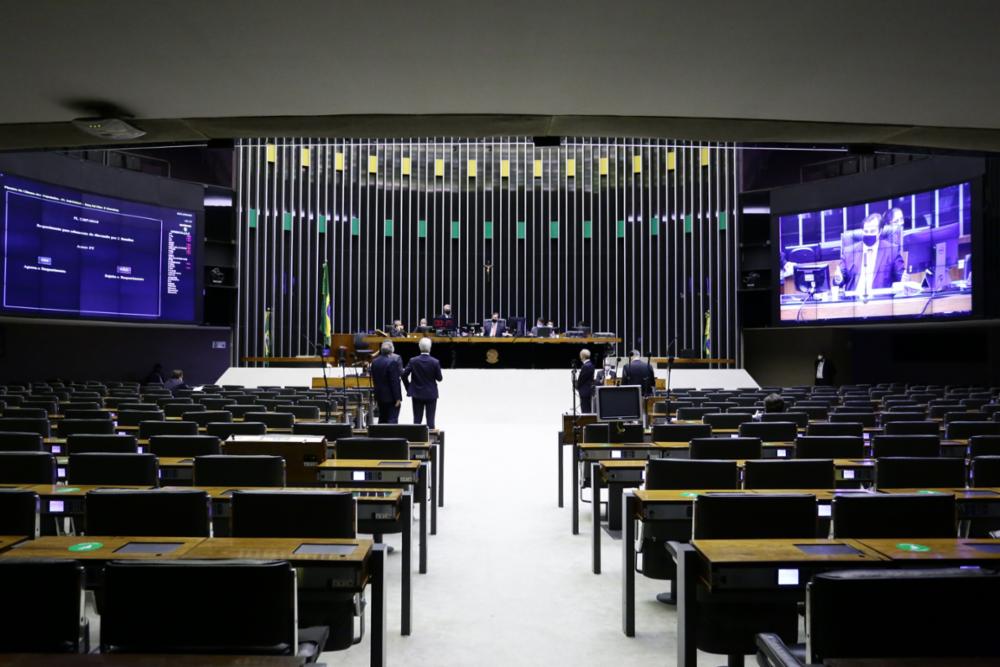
<point>871,263</point>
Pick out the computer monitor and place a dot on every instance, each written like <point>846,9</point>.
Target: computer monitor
<point>444,323</point>
<point>619,403</point>
<point>424,330</point>
<point>515,326</point>
<point>543,332</point>
<point>812,278</point>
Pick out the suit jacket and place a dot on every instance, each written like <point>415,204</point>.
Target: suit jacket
<point>889,266</point>
<point>386,372</point>
<point>421,376</point>
<point>639,372</point>
<point>585,380</point>
<point>501,328</point>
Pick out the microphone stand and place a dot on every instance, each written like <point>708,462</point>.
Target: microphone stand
<point>670,367</point>
<point>322,365</point>
<point>342,361</point>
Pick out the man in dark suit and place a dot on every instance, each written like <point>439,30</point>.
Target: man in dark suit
<point>639,372</point>
<point>386,373</point>
<point>494,327</point>
<point>585,381</point>
<point>872,263</point>
<point>420,377</point>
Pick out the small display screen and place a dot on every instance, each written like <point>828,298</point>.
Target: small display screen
<point>148,548</point>
<point>788,577</point>
<point>827,549</point>
<point>325,549</point>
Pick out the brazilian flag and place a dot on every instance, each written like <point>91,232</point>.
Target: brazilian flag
<point>708,333</point>
<point>327,319</point>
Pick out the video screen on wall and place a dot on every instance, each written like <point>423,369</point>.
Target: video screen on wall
<point>908,256</point>
<point>69,253</point>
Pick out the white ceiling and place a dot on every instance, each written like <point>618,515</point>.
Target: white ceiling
<point>903,63</point>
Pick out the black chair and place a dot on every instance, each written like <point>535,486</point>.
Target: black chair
<point>939,411</point>
<point>412,432</point>
<point>389,449</point>
<point>299,411</point>
<point>271,419</point>
<point>259,599</point>
<point>332,431</point>
<point>789,474</point>
<point>216,403</point>
<point>688,474</point>
<point>986,471</point>
<point>123,444</point>
<point>907,613</point>
<point>964,430</point>
<point>721,420</point>
<point>136,417</point>
<point>905,445</point>
<point>829,447</point>
<point>68,427</point>
<point>20,442</point>
<point>25,412</point>
<point>225,429</point>
<point>244,470</point>
<point>18,513</point>
<point>27,468</point>
<point>770,431</point>
<point>153,513</point>
<point>866,419</point>
<point>691,414</point>
<point>179,409</point>
<point>184,445</point>
<point>856,429</point>
<point>238,410</point>
<point>979,445</point>
<point>148,429</point>
<point>43,610</point>
<point>80,413</point>
<point>108,468</point>
<point>965,416</point>
<point>876,515</point>
<point>39,425</point>
<point>725,448</point>
<point>138,407</point>
<point>909,472</point>
<point>596,433</point>
<point>923,427</point>
<point>680,432</point>
<point>204,417</point>
<point>800,419</point>
<point>319,514</point>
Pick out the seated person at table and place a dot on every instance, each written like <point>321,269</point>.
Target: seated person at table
<point>871,263</point>
<point>772,403</point>
<point>397,329</point>
<point>540,322</point>
<point>176,381</point>
<point>638,371</point>
<point>494,327</point>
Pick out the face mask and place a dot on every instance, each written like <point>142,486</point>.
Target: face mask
<point>870,239</point>
<point>494,319</point>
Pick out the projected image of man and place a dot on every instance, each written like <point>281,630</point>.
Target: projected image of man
<point>871,263</point>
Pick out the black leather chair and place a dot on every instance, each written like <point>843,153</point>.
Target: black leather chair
<point>258,598</point>
<point>923,427</point>
<point>866,419</point>
<point>153,513</point>
<point>148,429</point>
<point>726,420</point>
<point>986,471</point>
<point>20,442</point>
<point>800,419</point>
<point>272,420</point>
<point>905,445</point>
<point>81,444</point>
<point>856,429</point>
<point>979,445</point>
<point>39,425</point>
<point>112,468</point>
<point>223,430</point>
<point>26,411</point>
<point>43,609</point>
<point>136,417</point>
<point>693,413</point>
<point>136,406</point>
<point>68,427</point>
<point>299,411</point>
<point>789,474</point>
<point>82,413</point>
<point>179,409</point>
<point>184,445</point>
<point>204,417</point>
<point>216,402</point>
<point>680,432</point>
<point>243,470</point>
<point>412,432</point>
<point>320,514</point>
<point>390,449</point>
<point>911,472</point>
<point>27,468</point>
<point>963,430</point>
<point>829,447</point>
<point>770,431</point>
<point>875,515</point>
<point>333,432</point>
<point>238,410</point>
<point>18,513</point>
<point>725,448</point>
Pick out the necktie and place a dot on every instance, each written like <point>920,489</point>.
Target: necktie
<point>493,330</point>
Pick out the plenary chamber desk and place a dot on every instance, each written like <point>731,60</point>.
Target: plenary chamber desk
<point>500,352</point>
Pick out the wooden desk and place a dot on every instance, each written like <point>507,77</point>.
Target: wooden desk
<point>58,502</point>
<point>176,470</point>
<point>141,660</point>
<point>949,551</point>
<point>7,541</point>
<point>302,453</point>
<point>100,548</point>
<point>342,382</point>
<point>982,503</point>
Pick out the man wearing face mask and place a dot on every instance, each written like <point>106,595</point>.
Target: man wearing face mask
<point>872,263</point>
<point>494,327</point>
<point>824,370</point>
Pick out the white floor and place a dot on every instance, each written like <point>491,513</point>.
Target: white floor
<point>508,584</point>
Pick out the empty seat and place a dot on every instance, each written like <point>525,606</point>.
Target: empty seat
<point>878,515</point>
<point>394,449</point>
<point>770,431</point>
<point>680,432</point>
<point>829,447</point>
<point>148,429</point>
<point>412,432</point>
<point>866,419</point>
<point>964,416</point>
<point>244,470</point>
<point>204,417</point>
<point>135,417</point>
<point>79,444</point>
<point>29,409</point>
<point>320,514</point>
<point>986,471</point>
<point>725,448</point>
<point>153,513</point>
<point>68,427</point>
<point>18,513</point>
<point>963,430</point>
<point>299,411</point>
<point>332,431</point>
<point>905,445</point>
<point>922,427</point>
<point>14,441</point>
<point>238,410</point>
<point>216,403</point>
<point>184,445</point>
<point>689,474</point>
<point>225,429</point>
<point>27,468</point>
<point>800,419</point>
<point>725,420</point>
<point>273,420</point>
<point>179,409</point>
<point>691,414</point>
<point>791,474</point>
<point>138,407</point>
<point>43,610</point>
<point>836,428</point>
<point>81,413</point>
<point>39,425</point>
<point>979,445</point>
<point>106,468</point>
<point>903,472</point>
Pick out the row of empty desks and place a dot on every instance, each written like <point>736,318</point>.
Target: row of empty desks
<point>346,564</point>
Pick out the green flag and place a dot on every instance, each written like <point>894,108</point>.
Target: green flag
<point>326,315</point>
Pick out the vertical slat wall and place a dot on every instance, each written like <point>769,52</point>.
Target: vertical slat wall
<point>632,236</point>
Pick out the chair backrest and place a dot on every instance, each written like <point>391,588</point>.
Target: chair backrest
<point>725,516</point>
<point>216,402</point>
<point>680,432</point>
<point>874,515</point>
<point>148,429</point>
<point>271,419</point>
<point>39,425</point>
<point>26,412</point>
<point>184,445</point>
<point>153,513</point>
<point>108,468</point>
<point>719,420</point>
<point>225,429</point>
<point>299,411</point>
<point>14,441</point>
<point>18,513</point>
<point>203,417</point>
<point>963,430</point>
<point>68,427</point>
<point>921,427</point>
<point>243,470</point>
<point>979,445</point>
<point>412,432</point>
<point>836,428</point>
<point>135,417</point>
<point>87,413</point>
<point>986,471</point>
<point>907,613</point>
<point>770,431</point>
<point>688,474</point>
<point>965,416</point>
<point>180,409</point>
<point>789,474</point>
<point>238,410</point>
<point>333,432</point>
<point>395,449</point>
<point>905,445</point>
<point>138,407</point>
<point>43,606</point>
<point>938,411</point>
<point>868,419</point>
<point>693,413</point>
<point>258,598</point>
<point>911,472</point>
<point>27,468</point>
<point>80,444</point>
<point>321,514</point>
<point>800,419</point>
<point>829,446</point>
<point>597,433</point>
<point>725,448</point>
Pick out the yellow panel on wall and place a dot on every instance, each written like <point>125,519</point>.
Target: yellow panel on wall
<point>602,166</point>
<point>671,160</point>
<point>705,157</point>
<point>504,168</point>
<point>538,168</point>
<point>439,167</point>
<point>570,167</point>
<point>373,164</point>
<point>472,168</point>
<point>338,161</point>
<point>271,153</point>
<point>305,157</point>
<point>405,166</point>
<point>636,164</point>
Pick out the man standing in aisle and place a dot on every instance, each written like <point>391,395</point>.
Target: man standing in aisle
<point>420,377</point>
<point>585,381</point>
<point>386,372</point>
<point>637,371</point>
